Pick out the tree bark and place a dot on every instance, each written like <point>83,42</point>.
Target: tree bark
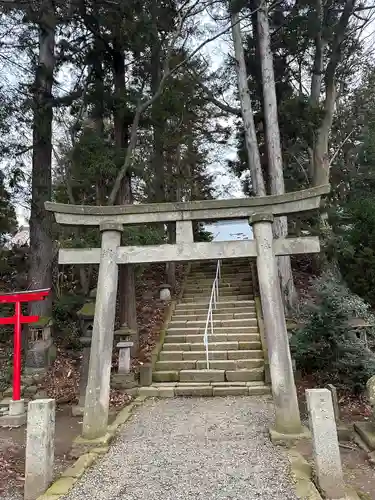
<point>317,72</point>
<point>252,148</point>
<point>275,162</point>
<point>320,157</point>
<point>127,299</point>
<point>41,244</point>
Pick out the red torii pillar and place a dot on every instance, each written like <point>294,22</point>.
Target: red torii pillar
<point>17,320</point>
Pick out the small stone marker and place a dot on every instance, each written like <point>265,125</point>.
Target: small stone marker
<point>40,447</point>
<point>145,375</point>
<point>336,409</point>
<point>124,356</point>
<point>325,443</point>
<point>165,292</point>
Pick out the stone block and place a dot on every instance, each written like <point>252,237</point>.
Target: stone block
<point>166,376</point>
<point>40,447</point>
<point>16,407</point>
<point>260,390</point>
<point>174,365</point>
<point>366,431</point>
<point>335,401</point>
<point>194,391</point>
<point>230,391</point>
<point>123,381</point>
<point>166,392</point>
<point>123,416</point>
<point>150,392</point>
<point>244,375</point>
<point>325,443</point>
<point>289,440</point>
<point>300,467</point>
<point>202,376</point>
<point>39,355</point>
<point>228,384</point>
<point>79,467</point>
<point>13,421</point>
<point>62,486</point>
<point>82,445</point>
<point>4,403</point>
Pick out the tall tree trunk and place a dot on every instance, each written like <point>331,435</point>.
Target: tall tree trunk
<point>252,148</point>
<point>128,305</point>
<point>320,157</point>
<point>275,162</point>
<point>41,244</point>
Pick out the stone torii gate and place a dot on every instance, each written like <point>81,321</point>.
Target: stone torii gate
<point>259,211</point>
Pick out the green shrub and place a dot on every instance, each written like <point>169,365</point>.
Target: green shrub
<point>326,345</point>
<point>65,315</point>
<point>355,247</point>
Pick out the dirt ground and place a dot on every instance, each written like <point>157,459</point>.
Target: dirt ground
<point>357,471</point>
<point>13,443</point>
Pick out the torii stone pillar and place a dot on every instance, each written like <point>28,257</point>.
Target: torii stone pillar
<point>284,392</point>
<point>95,418</point>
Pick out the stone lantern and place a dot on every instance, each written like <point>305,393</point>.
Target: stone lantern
<point>41,352</point>
<point>86,321</point>
<point>124,341</point>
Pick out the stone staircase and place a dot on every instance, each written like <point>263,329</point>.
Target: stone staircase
<point>235,349</point>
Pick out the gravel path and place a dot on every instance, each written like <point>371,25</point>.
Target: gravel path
<point>191,449</point>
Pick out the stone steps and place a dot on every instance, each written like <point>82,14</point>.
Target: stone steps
<point>181,355</point>
<point>222,305</point>
<point>235,322</point>
<point>216,364</point>
<point>234,311</point>
<point>173,389</point>
<point>218,316</point>
<point>199,329</point>
<point>214,338</point>
<point>214,346</point>
<point>211,375</point>
<point>223,292</point>
<point>195,298</point>
<point>236,359</point>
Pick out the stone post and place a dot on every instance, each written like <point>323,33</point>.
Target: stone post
<point>124,364</point>
<point>40,447</point>
<point>284,392</point>
<point>325,443</point>
<point>86,318</point>
<point>335,401</point>
<point>95,417</point>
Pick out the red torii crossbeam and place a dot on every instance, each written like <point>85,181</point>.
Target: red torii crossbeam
<point>17,320</point>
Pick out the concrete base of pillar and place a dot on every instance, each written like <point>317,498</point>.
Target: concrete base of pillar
<point>82,445</point>
<point>16,416</point>
<point>289,440</point>
<point>366,431</point>
<point>123,381</point>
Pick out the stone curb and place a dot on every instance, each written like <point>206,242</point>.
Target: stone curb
<point>301,473</point>
<point>99,447</point>
<point>202,389</point>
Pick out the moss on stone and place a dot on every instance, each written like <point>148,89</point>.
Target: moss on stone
<point>87,310</point>
<point>42,322</point>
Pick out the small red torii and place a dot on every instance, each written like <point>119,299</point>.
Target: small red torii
<point>16,298</point>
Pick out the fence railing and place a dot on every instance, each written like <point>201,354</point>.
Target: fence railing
<point>212,306</point>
